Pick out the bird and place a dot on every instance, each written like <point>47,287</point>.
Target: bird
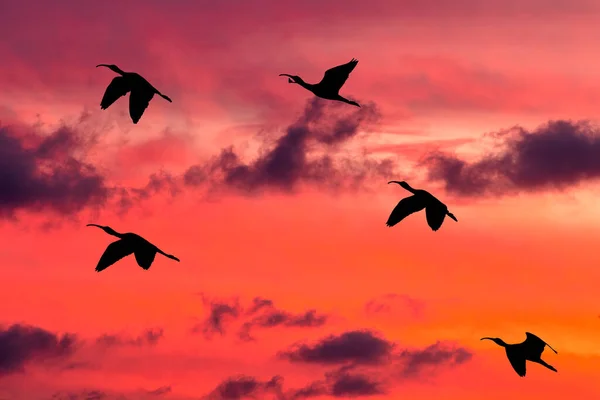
<point>331,83</point>
<point>128,243</point>
<point>435,210</point>
<point>531,350</point>
<point>139,98</point>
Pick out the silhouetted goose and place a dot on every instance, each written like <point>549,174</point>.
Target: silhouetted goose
<point>330,85</point>
<point>143,250</point>
<point>139,98</point>
<point>530,350</point>
<point>435,210</point>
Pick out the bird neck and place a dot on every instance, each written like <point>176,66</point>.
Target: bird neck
<point>116,69</point>
<point>305,85</point>
<point>407,187</point>
<point>111,231</point>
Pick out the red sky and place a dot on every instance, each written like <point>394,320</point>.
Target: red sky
<point>290,285</point>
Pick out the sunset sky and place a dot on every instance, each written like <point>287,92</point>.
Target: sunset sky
<point>290,285</point>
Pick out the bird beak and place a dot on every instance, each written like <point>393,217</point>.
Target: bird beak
<point>484,338</point>
<point>452,216</point>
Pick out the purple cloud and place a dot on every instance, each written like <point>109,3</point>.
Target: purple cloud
<point>556,155</point>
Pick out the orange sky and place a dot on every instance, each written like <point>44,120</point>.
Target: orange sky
<point>433,76</point>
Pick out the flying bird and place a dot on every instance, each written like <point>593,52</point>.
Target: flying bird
<point>139,98</point>
<point>530,350</point>
<point>435,210</point>
<point>128,243</point>
<point>330,85</point>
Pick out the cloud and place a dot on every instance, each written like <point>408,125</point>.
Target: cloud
<point>365,365</point>
<point>414,361</point>
<point>337,384</point>
<point>148,338</point>
<point>50,170</point>
<point>245,387</point>
<point>390,303</point>
<point>82,395</point>
<point>357,347</point>
<point>293,158</point>
<point>270,317</point>
<point>262,313</point>
<point>45,172</point>
<point>220,312</point>
<point>22,344</point>
<point>556,155</point>
<point>365,354</point>
<point>341,383</point>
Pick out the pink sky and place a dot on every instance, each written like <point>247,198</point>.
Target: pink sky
<point>290,285</point>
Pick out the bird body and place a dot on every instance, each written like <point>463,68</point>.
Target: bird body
<point>435,210</point>
<point>128,243</point>
<point>141,92</point>
<point>330,85</point>
<point>529,350</point>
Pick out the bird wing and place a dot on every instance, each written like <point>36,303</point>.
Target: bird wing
<point>404,208</point>
<point>435,214</point>
<point>118,87</point>
<point>335,77</point>
<point>145,257</point>
<point>139,99</point>
<point>517,361</point>
<point>113,253</point>
<point>535,345</point>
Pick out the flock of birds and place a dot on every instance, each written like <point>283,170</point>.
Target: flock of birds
<point>141,92</point>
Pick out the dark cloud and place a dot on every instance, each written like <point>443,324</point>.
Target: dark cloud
<point>160,391</point>
<point>83,395</point>
<point>148,338</point>
<point>269,317</point>
<point>346,384</point>
<point>366,363</point>
<point>220,312</point>
<point>357,347</point>
<point>246,387</point>
<point>262,313</point>
<point>391,302</point>
<point>294,157</point>
<point>22,344</point>
<point>340,383</point>
<point>45,172</point>
<point>50,170</point>
<point>414,361</point>
<point>556,155</point>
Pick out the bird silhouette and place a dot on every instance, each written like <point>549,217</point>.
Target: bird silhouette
<point>143,250</point>
<point>435,210</point>
<point>139,98</point>
<point>529,350</point>
<point>330,85</point>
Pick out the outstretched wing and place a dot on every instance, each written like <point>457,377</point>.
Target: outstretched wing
<point>404,208</point>
<point>435,214</point>
<point>535,345</point>
<point>335,77</point>
<point>139,99</point>
<point>118,87</point>
<point>113,253</point>
<point>145,257</point>
<point>517,361</point>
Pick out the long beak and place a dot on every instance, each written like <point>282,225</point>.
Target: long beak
<point>484,338</point>
<point>288,75</point>
<point>398,182</point>
<point>99,226</point>
<point>452,216</point>
<point>101,65</point>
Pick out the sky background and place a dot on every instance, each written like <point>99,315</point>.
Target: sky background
<point>290,285</point>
